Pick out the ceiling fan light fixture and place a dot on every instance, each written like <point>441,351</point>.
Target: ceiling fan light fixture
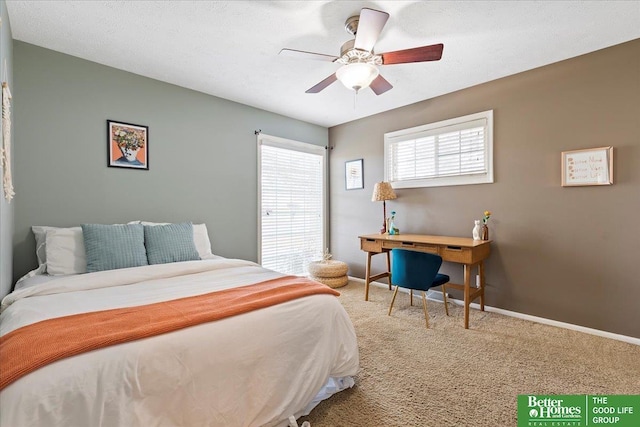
<point>357,75</point>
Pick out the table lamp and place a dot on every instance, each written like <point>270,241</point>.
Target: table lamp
<point>383,191</point>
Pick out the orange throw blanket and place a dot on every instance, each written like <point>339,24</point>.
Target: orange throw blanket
<point>28,348</point>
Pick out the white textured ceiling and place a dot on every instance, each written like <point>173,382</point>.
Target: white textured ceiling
<point>230,48</point>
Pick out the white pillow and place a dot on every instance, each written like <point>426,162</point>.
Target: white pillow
<point>200,237</point>
<point>201,240</point>
<point>40,231</point>
<point>65,251</point>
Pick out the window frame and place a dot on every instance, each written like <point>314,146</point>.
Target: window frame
<point>305,147</point>
<point>431,129</point>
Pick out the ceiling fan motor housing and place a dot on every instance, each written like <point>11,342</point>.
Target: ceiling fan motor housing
<point>349,55</point>
<point>351,25</point>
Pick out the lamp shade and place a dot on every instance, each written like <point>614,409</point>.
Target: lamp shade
<point>357,75</point>
<point>383,191</point>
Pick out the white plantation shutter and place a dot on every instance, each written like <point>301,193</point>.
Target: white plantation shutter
<point>452,152</point>
<point>292,204</point>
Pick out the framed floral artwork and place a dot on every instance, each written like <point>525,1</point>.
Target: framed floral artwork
<point>127,145</point>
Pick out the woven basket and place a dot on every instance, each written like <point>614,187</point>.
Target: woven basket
<point>328,269</point>
<point>332,282</point>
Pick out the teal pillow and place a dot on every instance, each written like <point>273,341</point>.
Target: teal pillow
<point>109,247</point>
<point>170,243</point>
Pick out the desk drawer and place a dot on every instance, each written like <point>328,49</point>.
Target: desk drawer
<point>390,244</point>
<point>421,247</point>
<point>456,254</point>
<point>424,247</point>
<point>371,245</point>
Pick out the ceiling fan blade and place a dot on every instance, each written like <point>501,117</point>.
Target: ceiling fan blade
<point>369,27</point>
<point>323,84</point>
<point>300,54</point>
<point>417,54</point>
<point>380,85</point>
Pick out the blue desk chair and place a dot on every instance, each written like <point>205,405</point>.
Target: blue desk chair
<point>419,271</point>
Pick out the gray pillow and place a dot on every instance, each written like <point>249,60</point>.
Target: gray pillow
<point>109,247</point>
<point>170,243</point>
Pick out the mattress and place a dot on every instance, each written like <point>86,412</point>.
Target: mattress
<point>253,369</point>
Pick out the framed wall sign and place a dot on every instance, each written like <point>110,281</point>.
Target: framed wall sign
<point>591,166</point>
<point>127,145</point>
<point>353,174</point>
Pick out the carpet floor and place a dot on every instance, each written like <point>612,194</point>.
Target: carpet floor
<point>448,376</point>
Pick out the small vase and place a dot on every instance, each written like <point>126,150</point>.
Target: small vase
<point>485,232</point>
<point>392,227</point>
<point>477,230</point>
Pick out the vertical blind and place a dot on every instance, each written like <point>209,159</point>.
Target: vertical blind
<point>292,208</point>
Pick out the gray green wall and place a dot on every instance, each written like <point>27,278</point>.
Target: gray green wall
<point>6,209</point>
<point>568,254</point>
<point>202,153</point>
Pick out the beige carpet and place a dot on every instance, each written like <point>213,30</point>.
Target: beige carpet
<point>449,376</point>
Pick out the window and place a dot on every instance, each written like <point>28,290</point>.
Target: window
<point>291,197</point>
<point>452,152</point>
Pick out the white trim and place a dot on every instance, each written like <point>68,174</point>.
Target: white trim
<point>290,144</point>
<point>536,319</point>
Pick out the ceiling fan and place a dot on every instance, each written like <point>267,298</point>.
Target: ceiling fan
<point>359,62</point>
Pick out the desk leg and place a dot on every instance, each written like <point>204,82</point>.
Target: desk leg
<point>389,267</point>
<point>467,284</point>
<point>367,275</point>
<point>481,273</point>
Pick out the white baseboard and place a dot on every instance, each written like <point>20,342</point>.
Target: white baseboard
<point>436,296</point>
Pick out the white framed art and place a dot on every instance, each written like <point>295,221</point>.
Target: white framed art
<point>590,166</point>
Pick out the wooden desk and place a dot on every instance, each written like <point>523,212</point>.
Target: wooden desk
<point>471,253</point>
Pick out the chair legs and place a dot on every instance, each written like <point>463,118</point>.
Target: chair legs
<point>424,307</point>
<point>424,302</point>
<point>444,297</point>
<point>392,300</point>
<point>411,297</point>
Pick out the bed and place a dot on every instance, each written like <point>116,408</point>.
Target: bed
<point>257,368</point>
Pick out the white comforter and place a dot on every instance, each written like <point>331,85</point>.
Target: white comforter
<point>254,369</point>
